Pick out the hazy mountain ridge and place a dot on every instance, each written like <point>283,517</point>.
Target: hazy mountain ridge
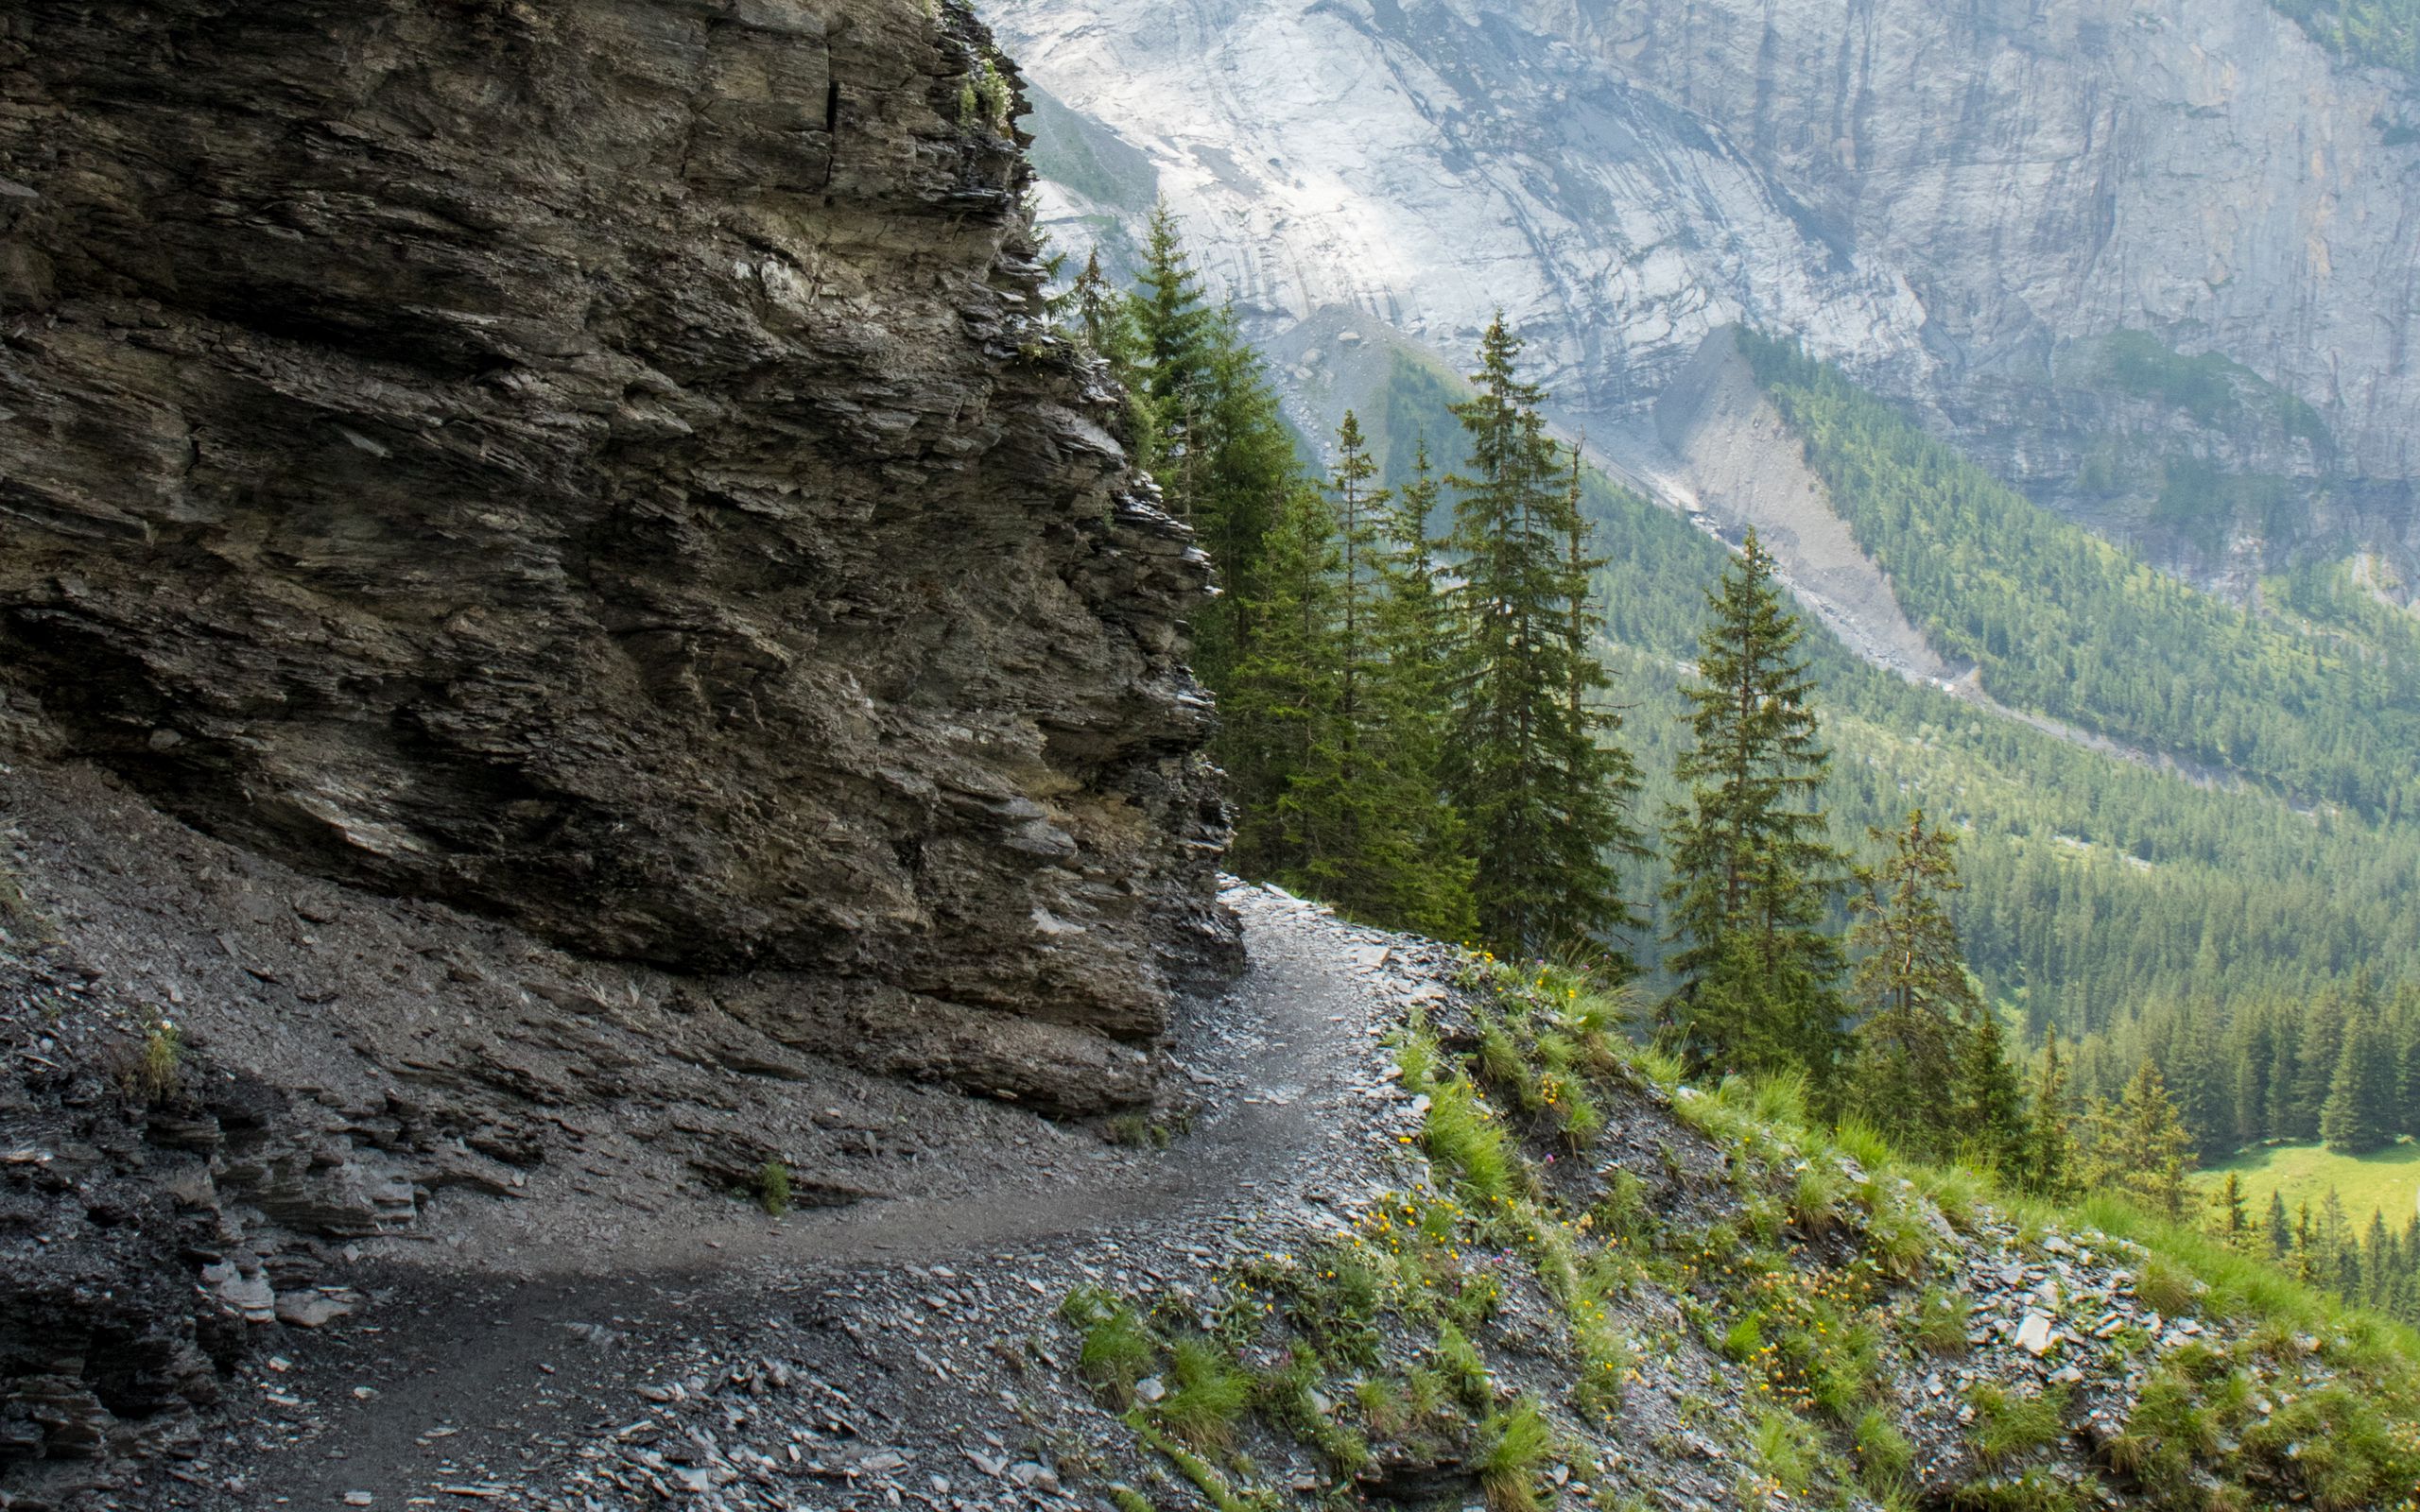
<point>1963,209</point>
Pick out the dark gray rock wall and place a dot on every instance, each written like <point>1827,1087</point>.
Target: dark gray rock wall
<point>598,463</point>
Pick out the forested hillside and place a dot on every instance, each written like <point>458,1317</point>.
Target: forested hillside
<point>1471,687</point>
<point>2097,884</point>
<point>2376,33</point>
<point>2067,625</point>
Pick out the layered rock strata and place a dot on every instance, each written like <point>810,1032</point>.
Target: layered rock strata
<point>601,465</point>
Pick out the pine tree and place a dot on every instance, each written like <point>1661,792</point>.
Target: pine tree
<point>1910,984</point>
<point>2234,1224</point>
<point>2281,1232</point>
<point>2139,1146</point>
<point>2048,1160</point>
<point>1526,769</point>
<point>1365,809</point>
<point>1989,1105</point>
<point>2358,1116</point>
<point>1753,874</point>
<point>1278,706</point>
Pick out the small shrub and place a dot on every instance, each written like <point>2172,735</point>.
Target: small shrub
<point>1475,1300</point>
<point>1899,1240</point>
<point>1385,1406</point>
<point>158,1068</point>
<point>2032,1491</point>
<point>1884,1456</point>
<point>1582,1121</point>
<point>1464,1371</point>
<point>1117,1349</point>
<point>1660,1066</point>
<point>1744,1341</point>
<point>1815,1198</point>
<point>1499,1058</point>
<point>1622,1213</point>
<point>773,1188</point>
<point>1780,1100</point>
<point>1457,1131</point>
<point>1865,1144</point>
<point>1956,1191</point>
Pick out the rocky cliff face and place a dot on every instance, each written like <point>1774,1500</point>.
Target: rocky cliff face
<point>1957,202</point>
<point>598,465</point>
<point>567,636</point>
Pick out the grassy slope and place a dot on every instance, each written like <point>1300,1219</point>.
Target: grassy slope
<point>1607,1288</point>
<point>2387,1181</point>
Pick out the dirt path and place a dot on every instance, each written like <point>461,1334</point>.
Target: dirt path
<point>460,1387</point>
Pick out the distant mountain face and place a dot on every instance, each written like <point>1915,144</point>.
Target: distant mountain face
<point>2157,263</point>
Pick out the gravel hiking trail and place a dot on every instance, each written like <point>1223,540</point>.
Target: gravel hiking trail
<point>464,1387</point>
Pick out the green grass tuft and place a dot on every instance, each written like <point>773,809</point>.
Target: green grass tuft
<point>1117,1349</point>
<point>1209,1396</point>
<point>1512,1445</point>
<point>2011,1425</point>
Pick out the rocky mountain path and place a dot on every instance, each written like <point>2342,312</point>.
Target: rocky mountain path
<point>800,1361</point>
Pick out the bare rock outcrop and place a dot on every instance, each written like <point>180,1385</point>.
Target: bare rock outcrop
<point>600,465</point>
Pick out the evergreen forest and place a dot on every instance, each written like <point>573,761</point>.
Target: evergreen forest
<point>1470,687</point>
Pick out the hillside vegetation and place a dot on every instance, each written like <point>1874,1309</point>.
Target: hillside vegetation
<point>2065,623</point>
<point>1596,1284</point>
<point>2097,884</point>
<point>2386,1182</point>
<point>2373,33</point>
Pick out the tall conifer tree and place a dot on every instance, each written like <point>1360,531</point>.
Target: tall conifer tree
<point>2139,1145</point>
<point>1752,870</point>
<point>1526,770</point>
<point>1912,987</point>
<point>1277,706</point>
<point>1364,810</point>
<point>2359,1115</point>
<point>1415,633</point>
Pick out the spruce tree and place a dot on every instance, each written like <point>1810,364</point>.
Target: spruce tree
<point>1527,769</point>
<point>1601,780</point>
<point>1174,327</point>
<point>1910,984</point>
<point>2048,1162</point>
<point>2139,1145</point>
<point>1215,439</point>
<point>1105,323</point>
<point>1752,872</point>
<point>1988,1109</point>
<point>1415,719</point>
<point>2233,1223</point>
<point>2357,1117</point>
<point>1278,705</point>
<point>1243,474</point>
<point>2281,1232</point>
<point>1365,811</point>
